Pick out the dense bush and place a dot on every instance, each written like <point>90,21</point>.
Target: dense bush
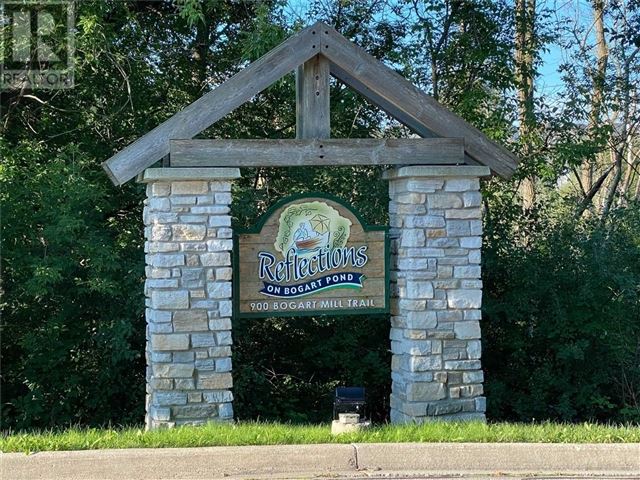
<point>561,316</point>
<point>72,307</point>
<point>286,369</point>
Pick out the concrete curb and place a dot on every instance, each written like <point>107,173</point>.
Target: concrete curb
<point>304,461</point>
<point>503,458</point>
<point>180,463</point>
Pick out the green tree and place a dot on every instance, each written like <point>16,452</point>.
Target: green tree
<point>561,315</point>
<point>73,329</point>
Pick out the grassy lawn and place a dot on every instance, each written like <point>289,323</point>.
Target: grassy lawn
<point>248,433</point>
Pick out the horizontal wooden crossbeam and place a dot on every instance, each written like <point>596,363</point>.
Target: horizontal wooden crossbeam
<point>299,152</point>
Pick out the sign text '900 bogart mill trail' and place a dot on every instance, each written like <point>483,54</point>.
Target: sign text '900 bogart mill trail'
<point>311,255</point>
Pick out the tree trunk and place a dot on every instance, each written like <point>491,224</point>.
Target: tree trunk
<point>637,192</point>
<point>629,175</point>
<point>599,77</point>
<point>524,60</point>
<point>613,186</point>
<point>200,52</point>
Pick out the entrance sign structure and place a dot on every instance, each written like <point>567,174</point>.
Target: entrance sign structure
<point>435,230</point>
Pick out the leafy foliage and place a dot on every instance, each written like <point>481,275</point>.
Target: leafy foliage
<point>562,303</point>
<point>72,310</point>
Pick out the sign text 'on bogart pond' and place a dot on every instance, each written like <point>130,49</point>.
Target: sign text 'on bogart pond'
<point>311,255</point>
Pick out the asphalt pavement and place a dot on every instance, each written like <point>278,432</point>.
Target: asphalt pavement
<point>389,460</point>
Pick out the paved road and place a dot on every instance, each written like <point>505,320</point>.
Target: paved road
<point>399,460</point>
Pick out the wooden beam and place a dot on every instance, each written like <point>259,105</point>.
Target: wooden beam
<point>381,102</point>
<point>211,107</point>
<point>332,152</point>
<point>403,100</point>
<point>312,99</point>
<point>299,95</point>
<point>347,62</point>
<point>392,110</point>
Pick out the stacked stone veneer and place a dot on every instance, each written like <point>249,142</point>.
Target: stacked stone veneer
<point>436,231</point>
<point>188,295</point>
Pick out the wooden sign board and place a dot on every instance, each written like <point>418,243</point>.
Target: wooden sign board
<point>311,255</point>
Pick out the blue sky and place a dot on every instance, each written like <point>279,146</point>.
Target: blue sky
<point>549,81</point>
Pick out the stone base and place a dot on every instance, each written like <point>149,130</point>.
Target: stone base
<point>188,296</point>
<point>400,418</point>
<point>347,423</point>
<point>337,428</point>
<point>435,215</point>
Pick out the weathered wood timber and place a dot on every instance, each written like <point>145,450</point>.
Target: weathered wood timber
<point>315,52</point>
<point>279,153</point>
<point>406,102</point>
<point>312,99</point>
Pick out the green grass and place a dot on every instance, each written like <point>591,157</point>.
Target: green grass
<point>248,433</point>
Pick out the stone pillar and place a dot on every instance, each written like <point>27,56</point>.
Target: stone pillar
<point>436,231</point>
<point>188,295</point>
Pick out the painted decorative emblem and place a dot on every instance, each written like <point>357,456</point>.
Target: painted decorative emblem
<point>311,255</point>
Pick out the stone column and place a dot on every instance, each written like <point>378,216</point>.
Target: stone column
<point>436,231</point>
<point>188,295</point>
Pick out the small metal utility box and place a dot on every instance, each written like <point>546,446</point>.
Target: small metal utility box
<point>349,400</point>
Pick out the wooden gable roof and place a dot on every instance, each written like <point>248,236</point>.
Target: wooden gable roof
<point>349,63</point>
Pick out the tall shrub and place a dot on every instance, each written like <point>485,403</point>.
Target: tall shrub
<point>561,315</point>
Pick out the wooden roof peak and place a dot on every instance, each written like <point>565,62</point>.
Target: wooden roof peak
<point>349,63</point>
